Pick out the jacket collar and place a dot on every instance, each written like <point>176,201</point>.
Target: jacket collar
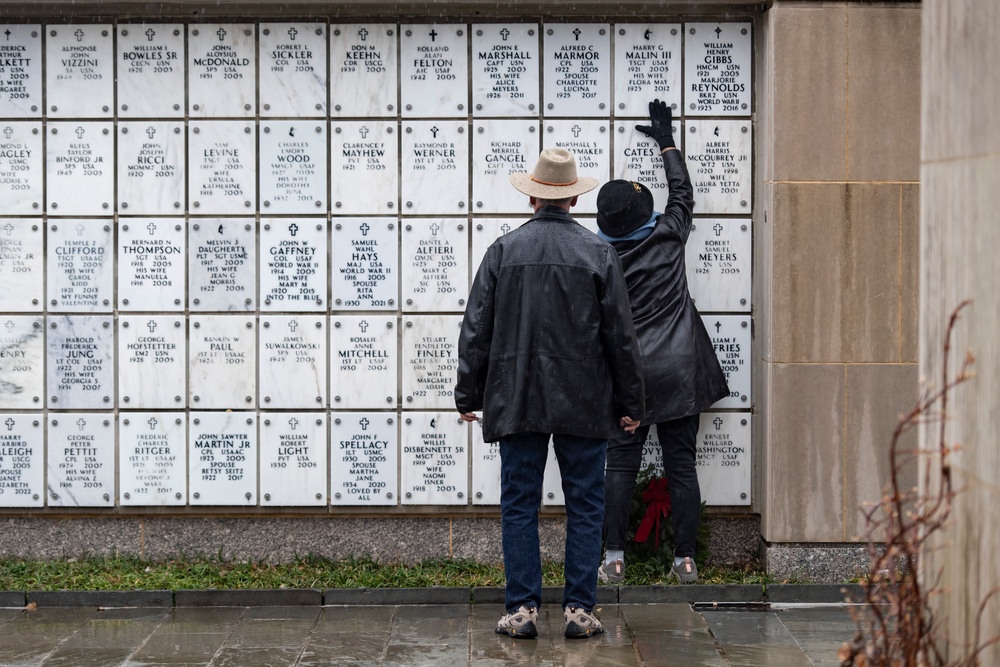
<point>552,213</point>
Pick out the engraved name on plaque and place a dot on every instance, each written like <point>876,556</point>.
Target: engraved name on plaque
<point>222,69</point>
<point>293,264</point>
<point>152,361</point>
<point>730,336</point>
<point>151,255</point>
<point>365,254</point>
<point>724,458</point>
<point>152,459</point>
<point>717,69</point>
<point>150,70</point>
<point>222,268</point>
<point>21,71</point>
<point>652,456</point>
<point>293,166</point>
<point>363,361</point>
<point>435,172</point>
<point>435,265</point>
<point>21,167</point>
<point>647,67</point>
<point>293,459</point>
<point>590,142</point>
<point>577,71</point>
<point>222,362</point>
<point>79,71</point>
<point>293,69</point>
<point>80,368</point>
<point>292,358</point>
<point>485,468</point>
<point>22,361</point>
<point>80,168</point>
<point>364,449</point>
<point>638,158</point>
<point>80,266</point>
<point>484,232</point>
<point>222,167</point>
<point>363,66</point>
<point>222,458</point>
<point>430,360</point>
<point>505,69</point>
<point>435,459</point>
<point>22,461</point>
<point>434,70</point>
<point>81,460</point>
<point>718,158</point>
<point>151,172</point>
<point>718,264</point>
<point>500,148</point>
<point>364,160</point>
<point>21,265</point>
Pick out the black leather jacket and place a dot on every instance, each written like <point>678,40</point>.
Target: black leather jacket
<point>547,343</point>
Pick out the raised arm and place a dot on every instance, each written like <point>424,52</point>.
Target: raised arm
<point>680,201</point>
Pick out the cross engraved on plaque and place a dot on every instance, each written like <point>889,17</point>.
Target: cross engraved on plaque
<point>222,458</point>
<point>718,259</point>
<point>724,458</point>
<point>435,265</point>
<point>21,271</point>
<point>292,355</point>
<point>293,264</point>
<point>222,70</point>
<point>434,70</point>
<point>435,172</point>
<point>365,161</point>
<point>81,460</point>
<point>363,361</point>
<point>151,168</point>
<point>590,142</point>
<point>363,462</point>
<point>21,167</point>
<point>730,336</point>
<point>435,459</point>
<point>21,76</point>
<point>151,264</point>
<point>365,256</point>
<point>484,232</point>
<point>152,459</point>
<point>364,61</point>
<point>718,64</point>
<point>222,268</point>
<point>79,159</point>
<point>577,70</point>
<point>293,69</point>
<point>79,73</point>
<point>293,463</point>
<point>22,461</point>
<point>152,361</point>
<point>505,69</point>
<point>150,71</point>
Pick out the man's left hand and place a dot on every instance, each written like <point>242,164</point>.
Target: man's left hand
<point>628,424</point>
<point>469,416</point>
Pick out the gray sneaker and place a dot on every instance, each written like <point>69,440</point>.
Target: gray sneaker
<point>581,624</point>
<point>611,573</point>
<point>520,623</point>
<point>686,572</point>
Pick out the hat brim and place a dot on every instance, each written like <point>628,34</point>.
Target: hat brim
<point>522,183</point>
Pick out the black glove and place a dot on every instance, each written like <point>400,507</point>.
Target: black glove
<point>660,116</point>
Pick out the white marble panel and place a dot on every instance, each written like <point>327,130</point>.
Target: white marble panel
<point>151,70</point>
<point>364,454</point>
<point>293,166</point>
<point>364,61</point>
<point>730,336</point>
<point>718,264</point>
<point>293,463</point>
<point>505,69</point>
<point>365,257</point>
<point>434,70</point>
<point>293,69</point>
<point>80,266</point>
<point>587,222</point>
<point>652,457</point>
<point>434,258</point>
<point>430,360</point>
<point>222,362</point>
<point>80,362</point>
<point>647,67</point>
<point>22,361</point>
<point>79,71</point>
<point>577,74</point>
<point>81,459</point>
<point>80,159</point>
<point>222,168</point>
<point>21,265</point>
<point>363,361</point>
<point>500,148</point>
<point>152,361</point>
<point>21,166</point>
<point>151,173</point>
<point>484,232</point>
<point>638,158</point>
<point>724,460</point>
<point>718,65</point>
<point>222,69</point>
<point>21,72</point>
<point>152,459</point>
<point>718,154</point>
<point>485,468</point>
<point>552,493</point>
<point>222,271</point>
<point>151,263</point>
<point>293,264</point>
<point>434,467</point>
<point>364,159</point>
<point>590,142</point>
<point>22,461</point>
<point>435,167</point>
<point>222,458</point>
<point>292,358</point>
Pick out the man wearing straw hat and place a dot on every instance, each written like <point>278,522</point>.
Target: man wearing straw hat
<point>548,350</point>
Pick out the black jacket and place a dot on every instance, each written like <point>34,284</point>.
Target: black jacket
<point>547,342</point>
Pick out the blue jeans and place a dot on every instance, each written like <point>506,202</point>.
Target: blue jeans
<point>581,465</point>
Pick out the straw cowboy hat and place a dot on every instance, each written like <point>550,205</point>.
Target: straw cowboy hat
<point>554,177</point>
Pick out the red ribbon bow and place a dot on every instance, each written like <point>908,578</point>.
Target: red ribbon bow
<point>657,506</point>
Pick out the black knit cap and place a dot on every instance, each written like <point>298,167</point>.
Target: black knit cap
<point>623,207</point>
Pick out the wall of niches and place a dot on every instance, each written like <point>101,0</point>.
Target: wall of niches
<point>234,256</point>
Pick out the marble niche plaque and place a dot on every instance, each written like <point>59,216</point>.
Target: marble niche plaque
<point>651,454</point>
<point>363,361</point>
<point>80,266</point>
<point>80,71</point>
<point>577,73</point>
<point>724,458</point>
<point>80,369</point>
<point>718,64</point>
<point>222,362</point>
<point>552,493</point>
<point>21,167</point>
<point>647,67</point>
<point>151,172</point>
<point>505,69</point>
<point>590,142</point>
<point>718,158</point>
<point>21,71</point>
<point>21,265</point>
<point>364,159</point>
<point>22,461</point>
<point>150,70</point>
<point>22,361</point>
<point>434,260</point>
<point>430,360</point>
<point>293,459</point>
<point>293,166</point>
<point>434,70</point>
<point>151,256</point>
<point>81,460</point>
<point>292,358</point>
<point>80,169</point>
<point>152,459</point>
<point>718,264</point>
<point>485,468</point>
<point>363,66</point>
<point>484,232</point>
<point>638,158</point>
<point>435,173</point>
<point>293,69</point>
<point>152,361</point>
<point>222,267</point>
<point>222,69</point>
<point>222,458</point>
<point>365,254</point>
<point>293,264</point>
<point>222,168</point>
<point>730,336</point>
<point>364,450</point>
<point>434,459</point>
<point>500,148</point>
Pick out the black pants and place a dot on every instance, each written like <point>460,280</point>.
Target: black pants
<point>678,445</point>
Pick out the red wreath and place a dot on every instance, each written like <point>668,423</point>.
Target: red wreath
<point>657,506</point>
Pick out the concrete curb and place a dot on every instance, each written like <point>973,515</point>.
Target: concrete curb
<point>814,593</point>
<point>101,598</point>
<point>433,595</point>
<point>249,598</point>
